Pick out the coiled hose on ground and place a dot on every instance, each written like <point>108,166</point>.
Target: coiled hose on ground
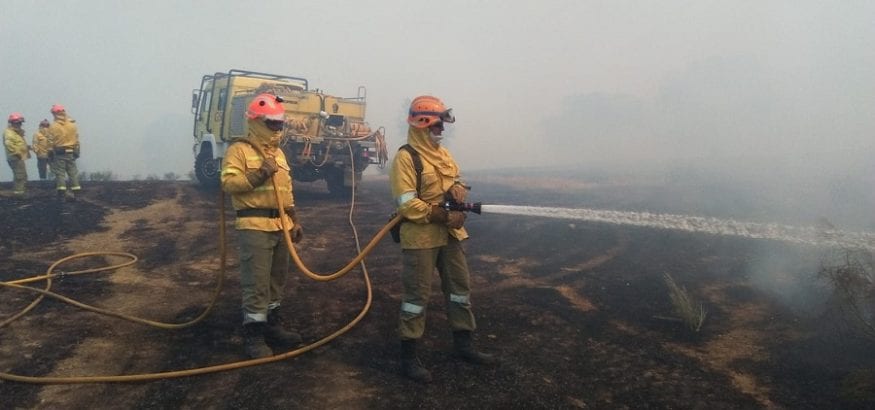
<point>50,274</point>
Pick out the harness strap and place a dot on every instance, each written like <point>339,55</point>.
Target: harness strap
<point>417,165</point>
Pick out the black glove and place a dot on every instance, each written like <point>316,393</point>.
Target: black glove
<point>260,175</point>
<point>297,232</point>
<point>455,219</point>
<point>438,215</point>
<point>268,167</point>
<point>458,192</point>
<point>76,152</point>
<point>255,178</point>
<point>51,154</point>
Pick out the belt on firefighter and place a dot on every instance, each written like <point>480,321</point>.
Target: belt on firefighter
<point>258,212</point>
<point>63,150</point>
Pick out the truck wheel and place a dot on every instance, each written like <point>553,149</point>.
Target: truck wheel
<point>334,180</point>
<point>206,169</point>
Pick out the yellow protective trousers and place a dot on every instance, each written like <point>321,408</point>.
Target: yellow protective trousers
<point>264,268</point>
<point>19,175</point>
<point>416,278</point>
<point>64,165</point>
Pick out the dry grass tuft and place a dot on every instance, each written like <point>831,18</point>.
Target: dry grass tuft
<point>851,273</point>
<point>692,314</point>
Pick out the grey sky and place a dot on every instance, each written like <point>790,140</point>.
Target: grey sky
<point>531,83</point>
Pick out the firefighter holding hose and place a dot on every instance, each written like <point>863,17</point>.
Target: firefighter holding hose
<point>249,169</point>
<point>423,172</point>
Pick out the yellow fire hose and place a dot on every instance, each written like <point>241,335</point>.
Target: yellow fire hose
<point>17,284</point>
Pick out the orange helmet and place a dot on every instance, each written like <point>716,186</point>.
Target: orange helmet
<point>426,111</point>
<point>57,108</point>
<point>16,117</point>
<point>267,106</point>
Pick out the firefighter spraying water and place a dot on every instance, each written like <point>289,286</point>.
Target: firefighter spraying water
<point>430,195</point>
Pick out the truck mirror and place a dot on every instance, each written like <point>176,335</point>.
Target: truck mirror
<point>194,102</point>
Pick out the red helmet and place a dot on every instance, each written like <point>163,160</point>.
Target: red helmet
<point>426,111</point>
<point>267,106</point>
<point>57,108</point>
<point>16,117</point>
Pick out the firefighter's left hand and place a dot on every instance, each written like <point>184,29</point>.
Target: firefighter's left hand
<point>297,233</point>
<point>459,193</point>
<point>455,219</point>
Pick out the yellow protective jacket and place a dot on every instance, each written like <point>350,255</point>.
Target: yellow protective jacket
<point>15,144</point>
<point>439,173</point>
<point>40,143</point>
<point>63,133</point>
<point>241,158</point>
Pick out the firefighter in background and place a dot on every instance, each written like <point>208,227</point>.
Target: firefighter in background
<point>40,147</point>
<point>264,259</point>
<point>431,237</point>
<point>64,142</point>
<point>17,152</point>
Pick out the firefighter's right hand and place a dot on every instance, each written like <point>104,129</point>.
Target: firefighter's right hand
<point>268,167</point>
<point>438,215</point>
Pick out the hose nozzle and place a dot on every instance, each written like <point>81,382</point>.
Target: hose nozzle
<point>451,205</point>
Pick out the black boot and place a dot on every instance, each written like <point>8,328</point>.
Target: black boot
<point>411,367</point>
<point>465,350</point>
<point>277,334</point>
<point>253,340</point>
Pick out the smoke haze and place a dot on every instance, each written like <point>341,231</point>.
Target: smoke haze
<point>765,92</point>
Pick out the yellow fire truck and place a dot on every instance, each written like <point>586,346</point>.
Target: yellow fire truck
<point>325,137</point>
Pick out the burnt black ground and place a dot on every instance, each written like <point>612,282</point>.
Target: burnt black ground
<point>570,310</point>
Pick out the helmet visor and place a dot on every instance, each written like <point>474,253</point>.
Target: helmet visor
<point>447,116</point>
